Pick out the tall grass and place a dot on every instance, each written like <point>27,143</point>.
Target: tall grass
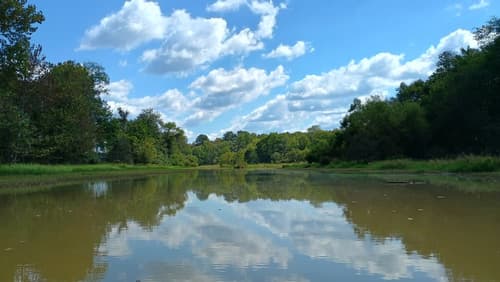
<point>460,164</point>
<point>38,169</point>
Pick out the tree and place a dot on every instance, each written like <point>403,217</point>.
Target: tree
<point>415,92</point>
<point>271,148</point>
<point>200,139</point>
<point>487,33</point>
<point>67,113</point>
<point>17,24</point>
<point>227,159</point>
<point>381,129</point>
<point>321,146</point>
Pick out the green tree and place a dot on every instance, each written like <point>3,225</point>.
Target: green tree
<point>200,139</point>
<point>17,24</point>
<point>66,111</point>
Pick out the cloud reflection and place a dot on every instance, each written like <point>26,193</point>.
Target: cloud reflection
<point>263,234</point>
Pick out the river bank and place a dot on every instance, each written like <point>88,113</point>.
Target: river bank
<point>466,164</point>
<point>33,176</point>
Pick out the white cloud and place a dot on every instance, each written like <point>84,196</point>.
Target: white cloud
<point>201,116</point>
<point>479,5</point>
<point>222,90</point>
<point>226,5</point>
<point>187,43</point>
<point>242,42</point>
<point>138,22</point>
<point>213,94</point>
<point>119,90</point>
<point>273,116</point>
<point>266,9</point>
<point>374,75</point>
<point>170,104</point>
<point>191,43</point>
<point>268,13</point>
<point>290,52</point>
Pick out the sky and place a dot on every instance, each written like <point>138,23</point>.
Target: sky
<point>257,65</point>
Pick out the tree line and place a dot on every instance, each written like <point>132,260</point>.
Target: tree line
<point>55,113</point>
<point>456,111</point>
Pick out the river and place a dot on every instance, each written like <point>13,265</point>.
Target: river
<point>263,225</point>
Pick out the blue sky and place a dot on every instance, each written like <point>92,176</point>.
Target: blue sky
<point>219,65</point>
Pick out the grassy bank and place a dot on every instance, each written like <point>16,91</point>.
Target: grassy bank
<point>458,165</point>
<point>35,175</point>
<point>37,169</point>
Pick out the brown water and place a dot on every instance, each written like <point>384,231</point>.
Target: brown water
<point>253,226</point>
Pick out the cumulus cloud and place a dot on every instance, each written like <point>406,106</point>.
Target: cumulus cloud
<point>373,75</point>
<point>191,43</point>
<point>323,99</point>
<point>119,90</point>
<point>226,5</point>
<point>222,90</point>
<point>138,22</point>
<point>479,5</point>
<point>170,104</point>
<point>187,43</point>
<point>276,115</point>
<point>266,9</point>
<point>268,13</point>
<point>290,52</point>
<point>212,94</point>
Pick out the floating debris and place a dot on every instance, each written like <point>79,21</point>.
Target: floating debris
<point>410,218</point>
<point>420,210</point>
<point>393,211</point>
<point>354,202</point>
<point>38,215</point>
<point>441,197</point>
<point>8,249</point>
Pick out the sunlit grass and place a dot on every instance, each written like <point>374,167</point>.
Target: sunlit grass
<point>460,164</point>
<point>39,169</point>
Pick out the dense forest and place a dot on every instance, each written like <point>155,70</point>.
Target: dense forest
<point>55,113</point>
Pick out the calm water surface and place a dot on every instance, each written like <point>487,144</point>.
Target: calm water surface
<point>252,226</point>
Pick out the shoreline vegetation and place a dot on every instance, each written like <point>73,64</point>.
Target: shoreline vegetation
<point>33,176</point>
